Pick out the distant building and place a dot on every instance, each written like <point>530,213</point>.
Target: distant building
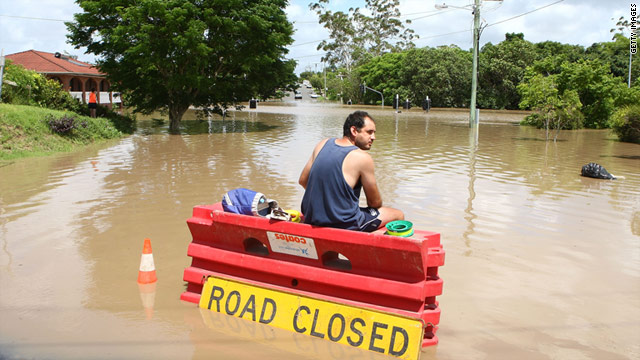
<point>77,77</point>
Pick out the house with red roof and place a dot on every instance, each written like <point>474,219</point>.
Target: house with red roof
<point>76,76</point>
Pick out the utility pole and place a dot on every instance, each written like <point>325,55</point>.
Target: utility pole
<point>629,81</point>
<point>341,76</point>
<point>473,121</point>
<point>324,90</point>
<point>475,8</point>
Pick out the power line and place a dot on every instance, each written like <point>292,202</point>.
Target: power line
<point>31,18</point>
<point>317,41</point>
<point>450,33</point>
<point>306,56</point>
<point>418,13</point>
<point>307,43</point>
<point>495,23</point>
<point>433,13</point>
<point>523,14</point>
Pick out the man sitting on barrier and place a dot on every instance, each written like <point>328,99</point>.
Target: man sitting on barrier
<point>334,175</point>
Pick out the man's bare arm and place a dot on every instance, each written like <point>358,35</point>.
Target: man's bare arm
<point>304,176</point>
<point>368,180</point>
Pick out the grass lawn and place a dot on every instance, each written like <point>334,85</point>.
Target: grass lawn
<point>25,131</point>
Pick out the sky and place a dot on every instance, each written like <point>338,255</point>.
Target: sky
<point>39,24</point>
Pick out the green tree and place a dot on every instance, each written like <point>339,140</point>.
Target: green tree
<point>316,81</point>
<point>616,55</point>
<point>625,123</point>
<point>592,80</point>
<point>340,51</point>
<point>349,84</point>
<point>623,25</point>
<point>383,31</point>
<point>306,75</point>
<point>625,96</point>
<point>567,52</point>
<point>334,82</point>
<point>383,73</point>
<point>595,86</point>
<point>553,108</point>
<point>172,54</point>
<point>355,37</point>
<point>502,68</point>
<point>442,73</point>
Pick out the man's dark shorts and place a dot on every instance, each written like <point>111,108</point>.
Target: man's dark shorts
<point>371,221</point>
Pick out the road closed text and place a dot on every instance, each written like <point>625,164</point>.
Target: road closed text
<point>358,327</point>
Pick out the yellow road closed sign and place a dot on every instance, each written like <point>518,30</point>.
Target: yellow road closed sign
<point>377,331</point>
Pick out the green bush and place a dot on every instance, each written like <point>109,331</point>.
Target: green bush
<point>64,124</point>
<point>626,123</point>
<point>624,95</point>
<point>552,109</point>
<point>27,131</point>
<point>35,89</point>
<point>18,83</point>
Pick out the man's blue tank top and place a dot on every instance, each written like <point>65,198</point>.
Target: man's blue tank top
<point>328,200</point>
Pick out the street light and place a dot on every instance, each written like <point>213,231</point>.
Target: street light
<point>445,6</point>
<point>473,120</point>
<point>475,8</point>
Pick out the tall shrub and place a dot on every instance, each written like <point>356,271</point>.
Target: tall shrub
<point>553,109</point>
<point>27,87</point>
<point>625,122</point>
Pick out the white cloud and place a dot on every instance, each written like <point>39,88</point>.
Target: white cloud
<point>37,25</point>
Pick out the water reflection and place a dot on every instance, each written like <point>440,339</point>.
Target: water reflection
<point>276,343</point>
<point>209,126</point>
<point>470,215</point>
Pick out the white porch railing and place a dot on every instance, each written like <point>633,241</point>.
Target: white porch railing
<point>104,97</point>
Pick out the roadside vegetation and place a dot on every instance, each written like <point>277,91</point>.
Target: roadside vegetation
<point>626,123</point>
<point>34,131</point>
<point>226,54</point>
<point>565,86</point>
<point>170,55</point>
<point>38,117</point>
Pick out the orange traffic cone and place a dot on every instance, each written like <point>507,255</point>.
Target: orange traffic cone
<point>147,273</point>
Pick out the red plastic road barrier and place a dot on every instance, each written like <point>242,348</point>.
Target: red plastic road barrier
<point>373,270</point>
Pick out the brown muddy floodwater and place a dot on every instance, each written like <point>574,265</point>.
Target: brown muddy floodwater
<point>541,263</point>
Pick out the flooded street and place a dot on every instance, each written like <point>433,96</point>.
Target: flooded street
<point>541,263</point>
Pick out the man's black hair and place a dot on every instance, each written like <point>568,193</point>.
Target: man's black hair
<point>356,119</point>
